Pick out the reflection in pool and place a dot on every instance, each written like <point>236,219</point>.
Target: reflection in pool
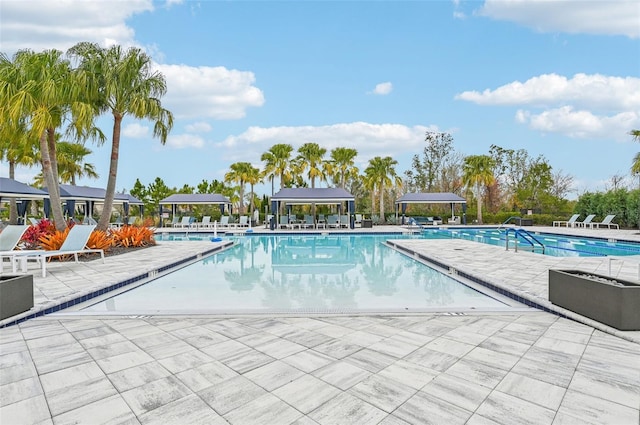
<point>334,273</point>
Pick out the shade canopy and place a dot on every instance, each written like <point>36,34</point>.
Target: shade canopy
<point>195,199</point>
<point>10,188</point>
<point>306,195</point>
<point>431,198</point>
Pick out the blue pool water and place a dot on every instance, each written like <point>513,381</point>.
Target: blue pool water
<point>332,273</point>
<point>554,244</point>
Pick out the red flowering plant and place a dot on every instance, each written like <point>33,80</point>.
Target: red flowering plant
<point>31,238</point>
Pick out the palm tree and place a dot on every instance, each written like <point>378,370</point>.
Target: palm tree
<point>17,149</point>
<point>253,177</point>
<point>635,168</point>
<point>278,164</point>
<point>71,163</point>
<point>343,164</point>
<point>310,158</point>
<point>239,173</point>
<point>477,173</point>
<point>123,83</point>
<point>39,88</point>
<point>381,173</point>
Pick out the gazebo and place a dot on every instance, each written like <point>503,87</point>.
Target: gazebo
<point>21,192</point>
<point>196,199</point>
<point>307,196</point>
<point>71,194</point>
<point>432,198</point>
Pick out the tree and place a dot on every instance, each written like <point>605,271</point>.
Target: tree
<point>277,164</point>
<point>310,158</point>
<point>343,165</point>
<point>426,172</point>
<point>122,82</point>
<point>254,176</point>
<point>635,167</point>
<point>17,149</point>
<point>71,162</point>
<point>477,174</point>
<point>41,89</point>
<point>239,173</point>
<point>381,174</point>
<point>156,192</point>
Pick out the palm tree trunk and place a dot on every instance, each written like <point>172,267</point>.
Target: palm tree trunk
<point>479,200</point>
<point>382,219</point>
<point>13,206</point>
<point>107,207</point>
<point>52,184</point>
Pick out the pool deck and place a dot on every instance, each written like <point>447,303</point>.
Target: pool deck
<point>460,367</point>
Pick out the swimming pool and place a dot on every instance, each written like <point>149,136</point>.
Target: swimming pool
<point>555,245</point>
<point>302,273</point>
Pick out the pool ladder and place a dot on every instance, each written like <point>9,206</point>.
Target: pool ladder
<point>526,237</point>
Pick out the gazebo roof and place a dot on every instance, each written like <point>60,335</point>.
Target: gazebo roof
<point>95,194</point>
<point>195,199</point>
<point>431,198</point>
<point>10,188</point>
<point>307,195</point>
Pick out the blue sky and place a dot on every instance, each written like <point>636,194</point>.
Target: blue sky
<point>557,78</point>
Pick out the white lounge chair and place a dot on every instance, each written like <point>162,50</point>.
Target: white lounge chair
<point>185,222</point>
<point>9,239</point>
<point>358,220</point>
<point>267,222</point>
<point>284,222</point>
<point>344,221</point>
<point>243,222</point>
<point>566,223</point>
<point>75,243</point>
<point>333,221</point>
<point>606,222</point>
<point>454,220</point>
<point>224,222</point>
<point>204,224</point>
<point>308,222</point>
<point>586,222</point>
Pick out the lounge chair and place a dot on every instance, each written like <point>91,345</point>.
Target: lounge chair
<point>586,222</point>
<point>33,221</point>
<point>284,222</point>
<point>357,222</point>
<point>566,223</point>
<point>224,222</point>
<point>244,221</point>
<point>308,222</point>
<point>204,224</point>
<point>454,220</point>
<point>333,221</point>
<point>9,239</point>
<point>606,222</point>
<point>75,243</point>
<point>344,221</point>
<point>185,222</point>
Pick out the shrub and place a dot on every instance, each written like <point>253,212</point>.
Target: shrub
<point>52,241</point>
<point>100,240</point>
<point>133,236</point>
<point>31,238</point>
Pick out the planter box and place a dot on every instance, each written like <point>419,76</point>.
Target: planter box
<point>608,300</point>
<point>16,294</point>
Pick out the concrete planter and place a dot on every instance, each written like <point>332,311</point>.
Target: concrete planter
<point>16,295</point>
<point>608,300</point>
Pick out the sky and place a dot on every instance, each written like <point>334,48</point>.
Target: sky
<point>556,78</point>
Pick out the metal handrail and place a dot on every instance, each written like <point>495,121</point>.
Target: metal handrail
<point>524,234</point>
<point>508,220</point>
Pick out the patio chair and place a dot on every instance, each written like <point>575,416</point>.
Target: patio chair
<point>244,221</point>
<point>357,222</point>
<point>204,224</point>
<point>33,221</point>
<point>321,222</point>
<point>344,221</point>
<point>308,222</point>
<point>454,220</point>
<point>606,222</point>
<point>184,222</point>
<point>224,222</point>
<point>333,221</point>
<point>284,222</point>
<point>584,223</point>
<point>267,221</point>
<point>9,239</point>
<point>74,244</point>
<point>566,223</point>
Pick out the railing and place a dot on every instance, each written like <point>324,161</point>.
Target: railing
<point>508,220</point>
<point>526,237</point>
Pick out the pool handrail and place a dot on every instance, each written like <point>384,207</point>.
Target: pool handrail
<point>524,234</point>
<point>513,217</point>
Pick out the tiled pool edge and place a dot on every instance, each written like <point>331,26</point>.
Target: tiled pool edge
<point>527,299</point>
<point>57,305</point>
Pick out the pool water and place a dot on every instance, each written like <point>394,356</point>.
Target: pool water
<point>335,273</point>
<point>554,244</point>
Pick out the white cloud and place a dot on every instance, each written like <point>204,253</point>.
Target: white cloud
<point>584,106</point>
<point>46,24</point>
<point>594,91</point>
<point>135,131</point>
<point>383,88</point>
<point>198,127</point>
<point>613,17</point>
<point>369,139</point>
<point>213,92</point>
<point>181,141</point>
<point>581,124</point>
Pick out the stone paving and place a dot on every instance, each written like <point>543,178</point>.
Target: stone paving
<point>467,368</point>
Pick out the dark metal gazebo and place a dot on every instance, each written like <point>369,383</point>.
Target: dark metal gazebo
<point>307,196</point>
<point>432,198</point>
